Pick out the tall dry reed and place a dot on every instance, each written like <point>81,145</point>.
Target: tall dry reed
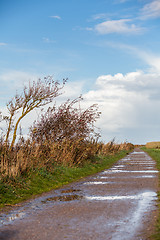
<point>31,155</point>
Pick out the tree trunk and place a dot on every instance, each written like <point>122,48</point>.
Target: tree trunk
<point>9,129</point>
<point>15,130</point>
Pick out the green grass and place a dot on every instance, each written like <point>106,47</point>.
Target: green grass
<point>35,182</point>
<point>155,154</point>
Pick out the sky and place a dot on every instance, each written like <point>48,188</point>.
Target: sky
<point>108,50</point>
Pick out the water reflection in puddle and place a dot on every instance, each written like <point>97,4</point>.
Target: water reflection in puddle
<point>11,217</point>
<point>134,220</point>
<point>125,159</point>
<point>103,198</point>
<point>141,176</point>
<point>96,183</point>
<point>143,196</point>
<point>138,153</point>
<point>146,176</point>
<point>119,166</point>
<point>103,177</point>
<point>127,171</point>
<point>65,195</point>
<point>139,163</point>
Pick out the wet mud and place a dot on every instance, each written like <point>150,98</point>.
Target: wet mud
<point>65,198</point>
<point>117,204</point>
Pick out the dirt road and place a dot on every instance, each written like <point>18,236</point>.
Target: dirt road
<point>116,204</point>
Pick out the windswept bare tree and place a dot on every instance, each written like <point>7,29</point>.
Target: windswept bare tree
<point>35,95</point>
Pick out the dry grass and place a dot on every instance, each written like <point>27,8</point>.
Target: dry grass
<point>153,145</point>
<point>112,147</point>
<point>31,156</point>
<point>67,153</point>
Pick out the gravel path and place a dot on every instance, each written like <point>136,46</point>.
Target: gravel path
<point>116,204</point>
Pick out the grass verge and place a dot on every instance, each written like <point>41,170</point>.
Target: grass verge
<point>15,190</point>
<point>155,154</point>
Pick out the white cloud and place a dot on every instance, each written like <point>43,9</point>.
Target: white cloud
<point>151,59</point>
<point>13,81</point>
<point>121,1</point>
<point>127,101</point>
<point>3,44</point>
<point>118,26</point>
<point>89,29</point>
<point>56,17</point>
<point>71,91</point>
<point>100,16</point>
<point>48,40</point>
<point>151,10</point>
<point>17,78</point>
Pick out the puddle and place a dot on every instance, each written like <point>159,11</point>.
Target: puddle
<point>63,198</point>
<point>113,171</point>
<point>143,163</point>
<point>144,171</point>
<point>95,183</point>
<point>119,166</point>
<point>135,219</point>
<point>127,171</point>
<point>146,176</point>
<point>143,196</point>
<point>103,177</point>
<point>100,198</point>
<point>38,204</point>
<point>138,153</point>
<point>125,159</point>
<point>11,217</point>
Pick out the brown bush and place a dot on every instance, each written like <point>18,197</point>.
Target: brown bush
<point>67,122</point>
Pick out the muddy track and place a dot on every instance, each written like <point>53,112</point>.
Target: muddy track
<point>116,204</point>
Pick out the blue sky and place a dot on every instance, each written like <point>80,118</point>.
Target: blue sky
<point>109,50</point>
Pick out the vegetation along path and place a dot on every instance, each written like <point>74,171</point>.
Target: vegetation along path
<point>118,204</point>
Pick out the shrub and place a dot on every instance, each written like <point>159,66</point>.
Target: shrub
<point>67,122</point>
